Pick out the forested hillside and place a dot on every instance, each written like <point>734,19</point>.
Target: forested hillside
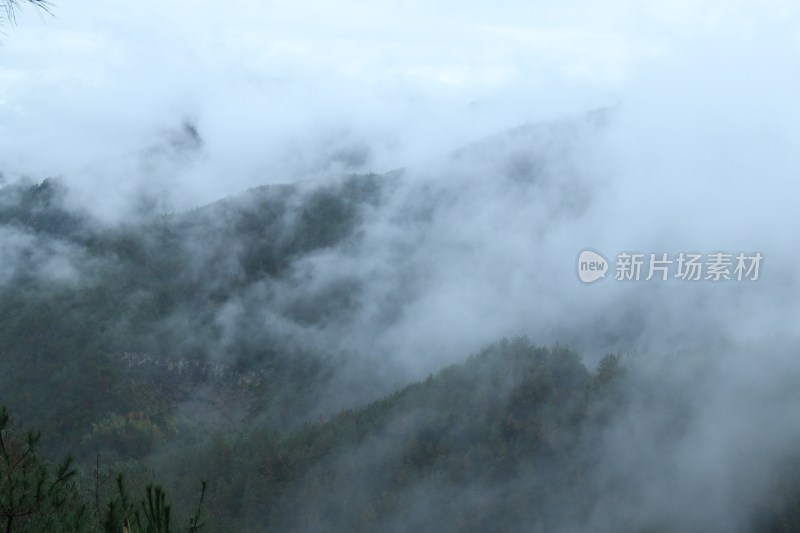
<point>76,295</point>
<point>201,346</point>
<point>514,439</point>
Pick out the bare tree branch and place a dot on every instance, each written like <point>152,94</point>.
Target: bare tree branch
<point>10,8</point>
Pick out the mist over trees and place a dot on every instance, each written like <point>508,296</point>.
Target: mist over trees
<point>112,345</point>
<point>302,266</point>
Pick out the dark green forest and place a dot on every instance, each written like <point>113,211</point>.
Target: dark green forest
<point>110,355</point>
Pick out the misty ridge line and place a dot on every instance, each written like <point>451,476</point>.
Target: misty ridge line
<point>665,427</point>
<point>321,275</point>
<point>443,250</point>
<point>528,176</point>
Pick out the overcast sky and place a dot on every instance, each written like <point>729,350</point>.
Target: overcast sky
<point>87,93</point>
